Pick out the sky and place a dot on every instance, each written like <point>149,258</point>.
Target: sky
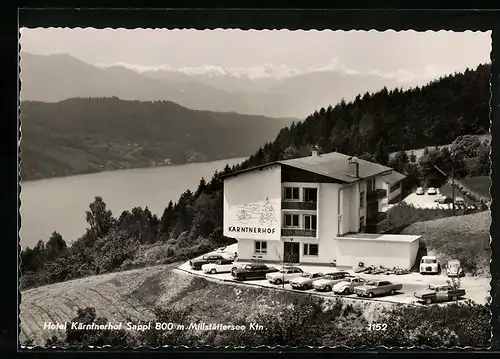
<point>430,53</point>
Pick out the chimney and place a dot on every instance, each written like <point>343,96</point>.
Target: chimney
<point>353,167</point>
<point>315,151</point>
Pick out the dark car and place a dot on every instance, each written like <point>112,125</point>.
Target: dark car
<point>207,258</point>
<point>253,271</point>
<point>439,293</point>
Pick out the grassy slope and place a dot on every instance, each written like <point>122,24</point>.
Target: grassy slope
<point>419,151</point>
<point>134,293</point>
<point>466,238</point>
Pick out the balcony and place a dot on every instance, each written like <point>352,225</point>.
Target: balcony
<point>376,195</point>
<point>298,232</point>
<point>376,218</point>
<point>376,223</point>
<point>308,206</point>
<point>377,228</point>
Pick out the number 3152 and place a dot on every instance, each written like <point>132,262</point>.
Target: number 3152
<point>377,326</point>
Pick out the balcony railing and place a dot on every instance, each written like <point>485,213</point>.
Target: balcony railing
<point>377,228</point>
<point>308,206</point>
<point>376,195</point>
<point>377,218</point>
<point>296,232</point>
<point>377,223</point>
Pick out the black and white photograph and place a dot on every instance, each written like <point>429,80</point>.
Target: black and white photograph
<point>247,188</point>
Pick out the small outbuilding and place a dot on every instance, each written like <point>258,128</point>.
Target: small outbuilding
<point>387,250</point>
<point>434,177</point>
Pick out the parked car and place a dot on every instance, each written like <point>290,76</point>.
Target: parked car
<point>207,258</point>
<point>454,269</point>
<point>252,271</point>
<point>440,198</point>
<point>305,280</point>
<point>439,293</point>
<point>379,270</point>
<point>367,270</point>
<point>221,266</point>
<point>431,191</point>
<point>284,275</point>
<point>419,191</point>
<point>429,265</point>
<point>374,288</point>
<point>329,280</point>
<point>347,285</point>
<point>459,201</point>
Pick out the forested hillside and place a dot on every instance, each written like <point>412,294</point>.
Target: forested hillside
<point>84,135</point>
<point>371,126</point>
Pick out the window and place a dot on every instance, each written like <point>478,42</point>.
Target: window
<point>310,221</point>
<point>311,195</point>
<point>260,247</point>
<point>361,223</point>
<point>292,193</point>
<point>362,199</point>
<point>310,249</point>
<point>291,220</point>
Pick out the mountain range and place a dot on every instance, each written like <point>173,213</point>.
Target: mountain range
<point>83,135</point>
<point>268,90</point>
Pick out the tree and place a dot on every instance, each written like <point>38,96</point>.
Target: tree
<point>167,219</point>
<point>99,218</point>
<point>413,157</point>
<point>290,152</point>
<point>201,187</point>
<point>55,246</point>
<point>484,163</point>
<point>466,146</point>
<point>381,151</point>
<point>281,258</point>
<point>400,161</point>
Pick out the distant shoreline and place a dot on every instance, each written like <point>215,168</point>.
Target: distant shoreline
<point>83,173</point>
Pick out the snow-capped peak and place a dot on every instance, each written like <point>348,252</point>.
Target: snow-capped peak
<point>278,72</point>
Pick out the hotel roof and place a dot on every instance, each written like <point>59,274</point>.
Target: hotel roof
<point>379,237</point>
<point>333,165</point>
<point>394,177</point>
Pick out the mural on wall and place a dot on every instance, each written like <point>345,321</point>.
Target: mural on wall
<point>264,213</point>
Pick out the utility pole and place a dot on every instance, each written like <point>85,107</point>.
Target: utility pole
<point>453,188</point>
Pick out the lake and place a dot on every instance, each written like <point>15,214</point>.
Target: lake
<point>59,204</point>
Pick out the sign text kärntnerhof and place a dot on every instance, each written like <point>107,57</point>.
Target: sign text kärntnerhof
<point>262,230</point>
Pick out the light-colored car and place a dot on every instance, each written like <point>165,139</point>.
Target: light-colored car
<point>439,293</point>
<point>329,280</point>
<point>431,191</point>
<point>284,275</point>
<point>459,201</point>
<point>305,280</point>
<point>374,288</point>
<point>419,191</point>
<point>429,265</point>
<point>454,268</point>
<point>347,285</point>
<point>441,198</point>
<point>221,266</point>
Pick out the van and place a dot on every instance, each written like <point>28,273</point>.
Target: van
<point>429,265</point>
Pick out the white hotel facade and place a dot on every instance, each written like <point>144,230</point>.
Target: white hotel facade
<point>321,209</point>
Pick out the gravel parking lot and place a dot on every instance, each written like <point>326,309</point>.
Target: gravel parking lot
<point>424,201</point>
<point>477,289</point>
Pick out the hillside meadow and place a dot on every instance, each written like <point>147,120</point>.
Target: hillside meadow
<point>466,238</point>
